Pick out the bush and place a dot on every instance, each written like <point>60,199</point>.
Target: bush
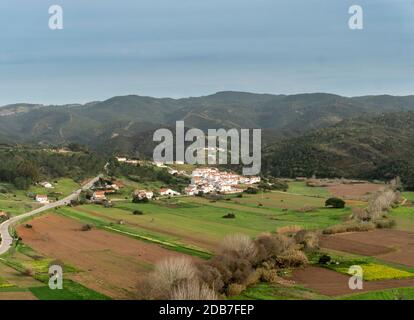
<point>241,244</point>
<point>308,240</point>
<point>86,227</point>
<point>324,259</point>
<point>335,203</point>
<point>193,290</point>
<point>269,275</point>
<point>137,213</point>
<point>270,246</point>
<point>28,226</point>
<point>292,259</point>
<point>385,223</point>
<point>251,190</point>
<point>229,216</point>
<point>235,289</point>
<point>350,227</point>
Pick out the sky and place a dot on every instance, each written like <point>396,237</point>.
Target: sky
<point>182,48</point>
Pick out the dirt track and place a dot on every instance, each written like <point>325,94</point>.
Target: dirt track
<point>331,283</point>
<point>111,263</point>
<point>388,245</point>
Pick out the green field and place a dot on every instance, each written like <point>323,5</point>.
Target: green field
<point>199,222</point>
<point>16,277</point>
<point>16,202</point>
<point>267,291</point>
<point>389,294</point>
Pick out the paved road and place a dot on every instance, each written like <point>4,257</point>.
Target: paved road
<point>7,239</point>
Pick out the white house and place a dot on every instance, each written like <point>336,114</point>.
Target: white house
<point>42,198</point>
<point>141,194</point>
<point>191,190</point>
<point>99,195</point>
<point>46,185</point>
<point>169,192</point>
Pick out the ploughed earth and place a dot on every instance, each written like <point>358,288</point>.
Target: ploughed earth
<point>108,263</point>
<point>386,244</point>
<point>332,283</point>
<point>393,246</point>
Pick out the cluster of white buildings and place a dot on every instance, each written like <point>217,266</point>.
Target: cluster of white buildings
<point>207,180</point>
<point>128,161</point>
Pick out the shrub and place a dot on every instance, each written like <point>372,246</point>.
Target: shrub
<point>137,213</point>
<point>324,259</point>
<point>385,223</point>
<point>270,246</point>
<point>241,244</point>
<point>289,229</point>
<point>308,240</point>
<point>292,259</point>
<point>173,270</point>
<point>211,276</point>
<point>193,290</point>
<point>28,226</point>
<point>86,227</point>
<point>350,227</point>
<point>251,190</point>
<point>235,289</point>
<point>229,216</point>
<point>232,267</point>
<point>335,203</point>
<point>269,275</point>
<point>360,214</point>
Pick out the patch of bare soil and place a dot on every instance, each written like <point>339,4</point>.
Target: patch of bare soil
<point>109,263</point>
<point>354,191</point>
<point>389,245</point>
<point>331,283</point>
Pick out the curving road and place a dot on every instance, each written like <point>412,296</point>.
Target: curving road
<point>6,238</point>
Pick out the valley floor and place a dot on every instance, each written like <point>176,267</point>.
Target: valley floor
<point>108,261</point>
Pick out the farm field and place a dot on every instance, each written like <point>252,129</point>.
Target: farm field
<point>393,246</point>
<point>106,262</point>
<point>24,276</point>
<point>198,222</point>
<point>16,202</point>
<point>128,239</point>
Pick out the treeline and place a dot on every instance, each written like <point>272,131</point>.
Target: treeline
<point>26,167</point>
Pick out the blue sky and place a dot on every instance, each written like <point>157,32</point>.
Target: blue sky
<point>180,48</point>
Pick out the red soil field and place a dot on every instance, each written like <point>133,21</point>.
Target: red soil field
<point>389,245</point>
<point>331,283</point>
<point>353,191</point>
<point>109,263</point>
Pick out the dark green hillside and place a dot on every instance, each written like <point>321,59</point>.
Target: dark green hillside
<point>23,166</point>
<point>369,147</point>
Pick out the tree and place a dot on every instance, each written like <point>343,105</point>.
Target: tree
<point>335,203</point>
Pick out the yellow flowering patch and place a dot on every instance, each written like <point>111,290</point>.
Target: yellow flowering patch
<point>374,271</point>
